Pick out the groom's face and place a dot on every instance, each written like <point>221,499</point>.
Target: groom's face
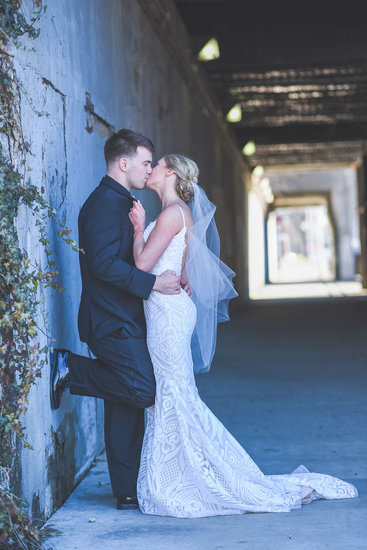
<point>139,168</point>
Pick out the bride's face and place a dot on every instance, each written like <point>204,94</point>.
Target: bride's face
<point>158,175</point>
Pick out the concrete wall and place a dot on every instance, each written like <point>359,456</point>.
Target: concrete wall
<point>96,65</point>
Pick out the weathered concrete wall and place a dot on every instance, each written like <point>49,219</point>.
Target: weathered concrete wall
<point>99,64</point>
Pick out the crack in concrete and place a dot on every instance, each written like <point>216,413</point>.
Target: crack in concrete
<point>63,98</point>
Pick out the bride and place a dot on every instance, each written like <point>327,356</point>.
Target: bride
<point>191,466</point>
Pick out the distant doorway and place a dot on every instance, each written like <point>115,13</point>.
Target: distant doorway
<point>304,234</point>
<point>301,245</point>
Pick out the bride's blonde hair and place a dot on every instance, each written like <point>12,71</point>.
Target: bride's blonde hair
<point>187,172</point>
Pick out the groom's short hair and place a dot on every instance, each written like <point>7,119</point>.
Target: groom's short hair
<point>124,143</point>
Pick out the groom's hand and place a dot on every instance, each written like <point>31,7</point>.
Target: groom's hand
<point>185,286</point>
<point>167,283</point>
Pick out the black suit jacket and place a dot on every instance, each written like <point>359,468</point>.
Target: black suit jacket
<point>112,288</point>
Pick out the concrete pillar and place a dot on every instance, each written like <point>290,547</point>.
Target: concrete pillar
<point>256,248</point>
<point>272,247</point>
<point>362,212</point>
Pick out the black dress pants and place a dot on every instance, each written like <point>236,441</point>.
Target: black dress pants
<point>123,376</point>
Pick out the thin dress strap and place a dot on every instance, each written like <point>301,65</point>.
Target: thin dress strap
<point>183,217</point>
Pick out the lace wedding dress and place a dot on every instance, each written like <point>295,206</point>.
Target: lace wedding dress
<point>191,466</point>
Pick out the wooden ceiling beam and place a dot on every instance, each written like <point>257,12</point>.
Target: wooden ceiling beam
<point>304,133</point>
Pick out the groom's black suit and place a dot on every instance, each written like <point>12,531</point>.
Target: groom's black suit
<point>111,321</point>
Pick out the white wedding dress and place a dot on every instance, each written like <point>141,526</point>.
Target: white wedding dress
<point>191,466</point>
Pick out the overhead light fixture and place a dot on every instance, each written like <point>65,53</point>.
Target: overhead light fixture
<point>266,190</point>
<point>249,149</point>
<point>235,114</point>
<point>265,184</point>
<point>210,51</point>
<point>258,170</point>
<point>269,197</point>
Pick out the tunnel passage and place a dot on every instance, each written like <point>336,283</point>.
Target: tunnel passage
<point>291,80</point>
<point>307,232</point>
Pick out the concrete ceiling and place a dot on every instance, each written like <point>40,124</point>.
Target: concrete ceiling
<point>298,69</point>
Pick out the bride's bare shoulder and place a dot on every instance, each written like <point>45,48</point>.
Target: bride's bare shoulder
<point>171,215</point>
<point>188,215</point>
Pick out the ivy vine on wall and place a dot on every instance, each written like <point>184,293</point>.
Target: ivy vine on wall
<point>21,356</point>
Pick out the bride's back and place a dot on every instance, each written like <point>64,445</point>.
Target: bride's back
<point>174,256</point>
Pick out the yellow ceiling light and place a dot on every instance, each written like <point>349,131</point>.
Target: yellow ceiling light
<point>266,190</point>
<point>235,114</point>
<point>265,184</point>
<point>210,51</point>
<point>249,149</point>
<point>258,170</point>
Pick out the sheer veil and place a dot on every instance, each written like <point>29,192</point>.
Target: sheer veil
<point>210,280</point>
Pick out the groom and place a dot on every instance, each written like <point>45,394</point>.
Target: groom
<point>111,317</point>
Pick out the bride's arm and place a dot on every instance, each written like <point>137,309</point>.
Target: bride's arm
<point>168,224</point>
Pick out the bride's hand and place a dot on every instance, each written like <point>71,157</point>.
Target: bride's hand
<point>137,216</point>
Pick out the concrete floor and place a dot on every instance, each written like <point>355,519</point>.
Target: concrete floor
<point>331,289</point>
<point>290,382</point>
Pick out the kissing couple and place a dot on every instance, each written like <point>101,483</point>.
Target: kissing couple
<point>151,300</point>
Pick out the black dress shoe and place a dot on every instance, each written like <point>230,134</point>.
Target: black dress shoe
<point>127,503</point>
<point>59,375</point>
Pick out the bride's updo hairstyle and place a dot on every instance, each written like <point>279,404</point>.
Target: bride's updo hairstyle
<point>187,172</point>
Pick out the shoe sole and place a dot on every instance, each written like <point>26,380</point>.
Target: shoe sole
<point>127,506</point>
